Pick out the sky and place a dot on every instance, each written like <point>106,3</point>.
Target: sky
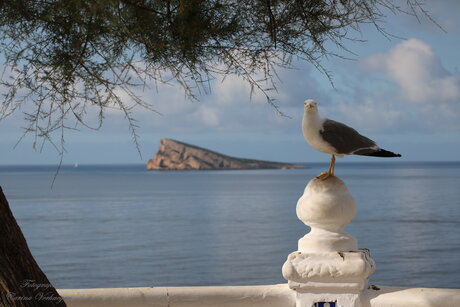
<point>403,92</point>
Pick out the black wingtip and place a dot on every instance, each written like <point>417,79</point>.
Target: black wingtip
<point>378,153</point>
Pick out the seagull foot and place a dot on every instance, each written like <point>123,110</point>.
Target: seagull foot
<point>324,176</point>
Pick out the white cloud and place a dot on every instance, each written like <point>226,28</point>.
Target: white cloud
<point>209,116</point>
<point>414,66</point>
<point>228,107</point>
<point>422,92</point>
<point>234,89</point>
<point>371,114</point>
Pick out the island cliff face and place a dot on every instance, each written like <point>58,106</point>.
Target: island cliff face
<point>175,155</point>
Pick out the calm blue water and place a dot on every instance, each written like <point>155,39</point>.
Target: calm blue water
<point>120,226</point>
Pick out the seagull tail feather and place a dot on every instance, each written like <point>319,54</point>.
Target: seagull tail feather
<point>376,153</point>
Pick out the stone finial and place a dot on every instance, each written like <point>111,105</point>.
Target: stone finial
<point>328,266</point>
<point>326,206</point>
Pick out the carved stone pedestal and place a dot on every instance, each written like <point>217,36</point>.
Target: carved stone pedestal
<point>328,269</point>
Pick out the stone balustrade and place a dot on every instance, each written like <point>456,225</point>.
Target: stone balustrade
<point>248,296</point>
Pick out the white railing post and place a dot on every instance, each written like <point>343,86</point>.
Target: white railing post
<point>328,269</point>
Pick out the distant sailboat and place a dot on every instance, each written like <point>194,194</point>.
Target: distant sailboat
<point>75,165</point>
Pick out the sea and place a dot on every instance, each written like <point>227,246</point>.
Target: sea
<point>104,226</point>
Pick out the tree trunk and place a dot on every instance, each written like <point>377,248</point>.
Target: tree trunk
<point>22,282</point>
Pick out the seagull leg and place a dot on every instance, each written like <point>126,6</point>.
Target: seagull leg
<point>332,165</point>
<point>330,171</point>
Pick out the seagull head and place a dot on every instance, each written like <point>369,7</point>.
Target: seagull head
<point>310,106</point>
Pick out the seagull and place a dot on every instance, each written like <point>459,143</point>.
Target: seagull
<point>336,139</point>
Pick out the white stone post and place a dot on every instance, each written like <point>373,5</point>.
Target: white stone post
<point>328,269</point>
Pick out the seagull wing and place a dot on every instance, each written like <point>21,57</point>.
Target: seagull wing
<point>345,139</point>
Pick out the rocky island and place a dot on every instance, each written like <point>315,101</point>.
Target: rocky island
<point>175,155</point>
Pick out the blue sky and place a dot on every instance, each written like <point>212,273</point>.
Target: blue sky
<point>402,92</point>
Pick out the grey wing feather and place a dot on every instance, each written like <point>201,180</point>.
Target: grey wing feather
<point>344,139</point>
